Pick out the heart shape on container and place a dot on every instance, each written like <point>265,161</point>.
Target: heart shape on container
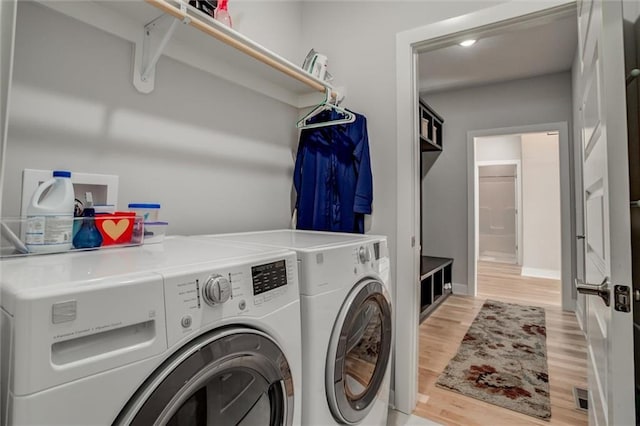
<point>113,229</point>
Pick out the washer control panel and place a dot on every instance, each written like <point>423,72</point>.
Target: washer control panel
<point>206,294</point>
<point>216,290</point>
<point>268,276</point>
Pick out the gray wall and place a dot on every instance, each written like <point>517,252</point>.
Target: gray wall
<point>359,39</point>
<point>217,156</point>
<point>444,189</point>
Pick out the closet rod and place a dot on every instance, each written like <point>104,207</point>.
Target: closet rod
<point>236,44</point>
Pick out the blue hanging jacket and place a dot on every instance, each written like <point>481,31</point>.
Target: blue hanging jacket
<point>332,176</point>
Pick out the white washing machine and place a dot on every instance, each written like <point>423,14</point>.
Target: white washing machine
<point>180,333</point>
<point>346,322</point>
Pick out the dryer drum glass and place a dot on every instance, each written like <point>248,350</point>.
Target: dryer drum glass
<point>357,364</point>
<point>363,348</point>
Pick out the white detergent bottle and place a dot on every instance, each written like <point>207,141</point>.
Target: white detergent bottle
<point>50,215</point>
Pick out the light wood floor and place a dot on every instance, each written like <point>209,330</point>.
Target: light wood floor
<point>442,332</point>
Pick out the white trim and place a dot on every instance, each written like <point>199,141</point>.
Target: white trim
<point>518,164</point>
<point>579,317</point>
<point>8,13</point>
<point>462,289</point>
<point>540,273</point>
<point>408,44</point>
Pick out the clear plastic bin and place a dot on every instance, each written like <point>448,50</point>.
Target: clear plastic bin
<point>148,211</point>
<point>154,232</point>
<point>12,236</point>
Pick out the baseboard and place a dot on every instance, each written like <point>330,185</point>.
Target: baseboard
<point>540,273</point>
<point>460,289</point>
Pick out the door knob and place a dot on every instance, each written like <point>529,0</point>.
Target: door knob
<point>601,290</point>
<point>580,237</point>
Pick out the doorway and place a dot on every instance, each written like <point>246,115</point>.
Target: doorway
<point>409,44</point>
<point>498,212</point>
<point>518,217</point>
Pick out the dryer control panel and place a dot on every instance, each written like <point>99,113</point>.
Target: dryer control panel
<point>209,295</point>
<point>372,257</point>
<point>328,268</point>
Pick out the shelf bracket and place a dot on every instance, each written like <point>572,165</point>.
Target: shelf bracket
<point>149,47</point>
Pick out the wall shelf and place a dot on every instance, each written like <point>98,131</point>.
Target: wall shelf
<point>435,283</point>
<point>201,42</point>
<point>429,145</point>
<point>435,272</point>
<point>431,127</point>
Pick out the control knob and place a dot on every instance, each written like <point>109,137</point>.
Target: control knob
<point>216,290</point>
<point>364,254</point>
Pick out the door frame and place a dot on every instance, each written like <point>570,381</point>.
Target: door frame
<point>476,212</point>
<point>566,204</point>
<point>409,43</point>
<point>8,14</point>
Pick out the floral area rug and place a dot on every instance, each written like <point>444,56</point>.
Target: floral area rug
<point>503,360</point>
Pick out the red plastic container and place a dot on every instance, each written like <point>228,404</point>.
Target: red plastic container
<point>115,228</point>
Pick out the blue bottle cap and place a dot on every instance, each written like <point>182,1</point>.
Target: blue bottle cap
<point>61,173</point>
<point>144,206</point>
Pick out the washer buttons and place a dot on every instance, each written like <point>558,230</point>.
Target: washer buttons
<point>242,305</point>
<point>186,321</point>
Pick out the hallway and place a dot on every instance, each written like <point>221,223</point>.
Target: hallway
<point>442,332</point>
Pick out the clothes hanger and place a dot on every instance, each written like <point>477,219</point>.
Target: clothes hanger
<point>349,117</point>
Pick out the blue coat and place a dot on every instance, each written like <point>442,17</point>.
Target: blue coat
<point>332,176</point>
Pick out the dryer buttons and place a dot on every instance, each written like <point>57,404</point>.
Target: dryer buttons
<point>216,290</point>
<point>364,254</point>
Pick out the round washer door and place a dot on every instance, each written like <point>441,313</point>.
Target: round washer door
<point>232,377</point>
<point>359,352</point>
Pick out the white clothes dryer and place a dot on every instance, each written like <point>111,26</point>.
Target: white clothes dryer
<point>346,322</point>
<point>181,333</point>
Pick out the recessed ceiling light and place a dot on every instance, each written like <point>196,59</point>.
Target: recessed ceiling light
<point>467,43</point>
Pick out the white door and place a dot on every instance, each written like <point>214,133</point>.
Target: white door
<point>578,214</point>
<point>606,206</point>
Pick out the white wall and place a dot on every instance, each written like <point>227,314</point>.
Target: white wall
<point>498,148</point>
<point>275,24</point>
<point>218,157</point>
<point>541,206</point>
<point>532,101</point>
<point>359,39</point>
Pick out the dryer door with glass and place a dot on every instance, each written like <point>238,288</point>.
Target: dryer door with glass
<point>232,377</point>
<point>359,352</point>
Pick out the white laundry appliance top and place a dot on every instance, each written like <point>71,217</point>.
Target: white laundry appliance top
<point>294,239</point>
<point>43,273</point>
<point>328,260</point>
